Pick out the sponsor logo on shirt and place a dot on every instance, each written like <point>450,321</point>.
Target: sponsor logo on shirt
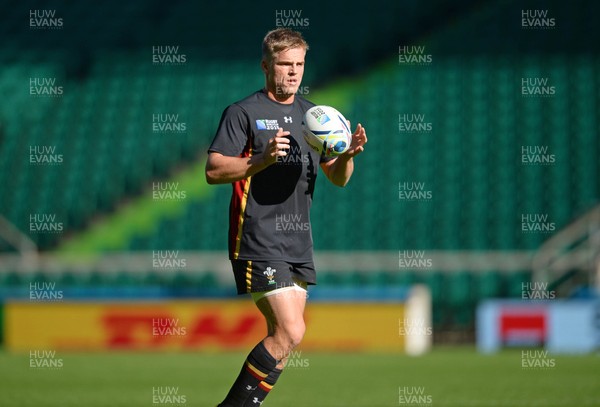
<point>266,124</point>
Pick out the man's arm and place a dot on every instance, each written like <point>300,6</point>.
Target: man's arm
<point>339,170</point>
<point>221,169</point>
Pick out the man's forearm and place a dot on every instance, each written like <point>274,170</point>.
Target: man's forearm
<point>225,170</point>
<point>341,170</point>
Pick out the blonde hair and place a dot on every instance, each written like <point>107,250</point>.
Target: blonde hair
<point>279,40</point>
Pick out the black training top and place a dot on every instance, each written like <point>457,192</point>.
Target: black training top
<point>269,212</point>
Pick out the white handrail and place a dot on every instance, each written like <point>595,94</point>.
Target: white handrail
<point>577,246</point>
<point>28,250</point>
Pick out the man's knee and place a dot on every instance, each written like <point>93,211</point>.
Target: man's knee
<point>291,333</point>
<point>296,333</point>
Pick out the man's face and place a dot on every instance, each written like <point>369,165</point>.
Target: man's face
<point>284,74</point>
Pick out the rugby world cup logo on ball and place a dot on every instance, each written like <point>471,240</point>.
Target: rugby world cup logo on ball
<point>326,131</point>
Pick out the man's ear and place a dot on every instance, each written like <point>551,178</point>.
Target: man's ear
<point>264,66</point>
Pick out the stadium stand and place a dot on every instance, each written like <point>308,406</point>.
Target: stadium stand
<point>102,125</point>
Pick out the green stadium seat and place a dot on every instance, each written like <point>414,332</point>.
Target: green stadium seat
<point>515,283</point>
<point>489,285</point>
<point>208,281</point>
<point>460,299</point>
<point>12,279</point>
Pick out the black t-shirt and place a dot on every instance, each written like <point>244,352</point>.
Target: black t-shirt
<point>269,212</point>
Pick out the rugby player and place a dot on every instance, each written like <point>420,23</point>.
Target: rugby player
<point>260,150</point>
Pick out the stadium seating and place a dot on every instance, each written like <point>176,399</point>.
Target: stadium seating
<point>101,124</point>
<point>470,161</point>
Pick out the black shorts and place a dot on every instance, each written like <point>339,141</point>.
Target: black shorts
<point>252,276</point>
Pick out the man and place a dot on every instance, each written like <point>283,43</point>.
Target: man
<point>259,148</point>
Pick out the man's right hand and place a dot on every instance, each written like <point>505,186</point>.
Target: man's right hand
<point>278,147</point>
<point>222,169</point>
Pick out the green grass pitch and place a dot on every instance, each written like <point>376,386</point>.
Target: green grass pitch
<point>445,377</point>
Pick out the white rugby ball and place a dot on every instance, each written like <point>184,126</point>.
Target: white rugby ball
<point>326,130</point>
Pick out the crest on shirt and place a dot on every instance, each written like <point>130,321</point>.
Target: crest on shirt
<point>267,124</point>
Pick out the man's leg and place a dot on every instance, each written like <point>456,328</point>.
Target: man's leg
<point>284,314</point>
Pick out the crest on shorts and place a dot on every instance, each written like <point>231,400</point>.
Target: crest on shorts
<point>270,273</point>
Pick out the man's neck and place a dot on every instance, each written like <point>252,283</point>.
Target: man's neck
<point>284,99</point>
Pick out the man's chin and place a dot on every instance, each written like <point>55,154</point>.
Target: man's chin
<point>285,91</point>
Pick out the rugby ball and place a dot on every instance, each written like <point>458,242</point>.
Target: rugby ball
<point>326,131</point>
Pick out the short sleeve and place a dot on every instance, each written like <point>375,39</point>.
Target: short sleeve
<point>232,134</point>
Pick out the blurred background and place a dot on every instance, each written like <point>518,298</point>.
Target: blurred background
<point>473,217</point>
